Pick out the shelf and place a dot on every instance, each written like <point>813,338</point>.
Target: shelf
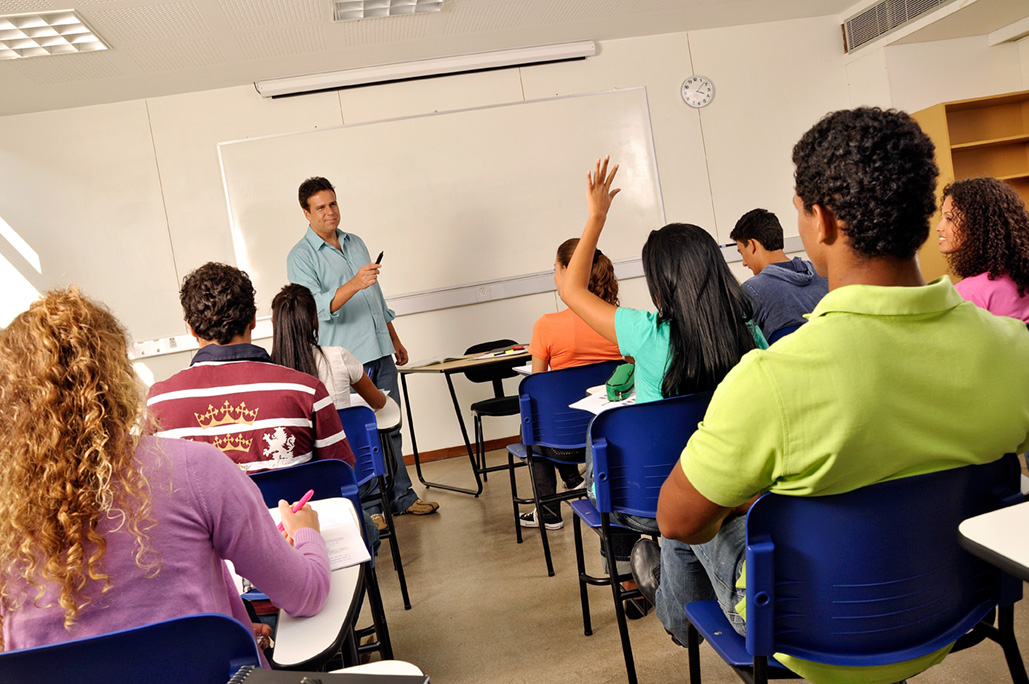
<point>993,142</point>
<point>1015,177</point>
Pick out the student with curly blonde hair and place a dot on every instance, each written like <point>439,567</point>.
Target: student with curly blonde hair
<point>104,527</point>
<point>984,236</point>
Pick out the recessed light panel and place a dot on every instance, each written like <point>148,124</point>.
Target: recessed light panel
<point>45,33</point>
<point>348,10</point>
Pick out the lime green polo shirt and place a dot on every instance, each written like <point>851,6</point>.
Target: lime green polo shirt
<point>881,383</point>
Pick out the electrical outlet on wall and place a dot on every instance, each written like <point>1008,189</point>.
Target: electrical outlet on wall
<point>483,294</point>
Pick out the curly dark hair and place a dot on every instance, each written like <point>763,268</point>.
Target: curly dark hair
<point>874,170</point>
<point>993,230</point>
<point>218,302</point>
<point>312,186</point>
<point>761,225</point>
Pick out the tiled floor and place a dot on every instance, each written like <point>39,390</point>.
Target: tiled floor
<point>484,610</point>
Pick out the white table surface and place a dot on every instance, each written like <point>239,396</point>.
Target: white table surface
<point>1001,532</point>
<point>386,418</point>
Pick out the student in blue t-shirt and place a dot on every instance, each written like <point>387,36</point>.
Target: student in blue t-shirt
<point>702,326</point>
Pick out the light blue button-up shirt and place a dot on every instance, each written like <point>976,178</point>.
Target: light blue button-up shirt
<point>360,324</point>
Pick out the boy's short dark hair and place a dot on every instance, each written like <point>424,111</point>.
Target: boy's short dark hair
<point>312,186</point>
<point>218,302</point>
<point>761,225</point>
<point>875,170</point>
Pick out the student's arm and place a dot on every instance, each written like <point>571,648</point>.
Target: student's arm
<point>401,350</point>
<point>685,514</point>
<point>329,439</point>
<point>597,313</point>
<point>538,365</point>
<point>369,392</point>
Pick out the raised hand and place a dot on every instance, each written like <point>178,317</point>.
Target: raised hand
<point>599,193</point>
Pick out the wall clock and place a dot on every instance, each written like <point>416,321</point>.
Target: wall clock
<point>698,91</point>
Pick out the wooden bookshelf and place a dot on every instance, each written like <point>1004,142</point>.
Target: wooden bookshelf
<point>986,136</point>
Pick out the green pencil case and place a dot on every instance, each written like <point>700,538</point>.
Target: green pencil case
<point>620,384</point>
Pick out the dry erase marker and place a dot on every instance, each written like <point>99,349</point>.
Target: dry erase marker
<point>300,504</point>
<point>378,259</point>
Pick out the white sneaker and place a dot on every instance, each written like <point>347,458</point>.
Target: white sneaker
<point>529,520</point>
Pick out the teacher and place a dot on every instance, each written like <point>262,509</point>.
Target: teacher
<point>352,313</point>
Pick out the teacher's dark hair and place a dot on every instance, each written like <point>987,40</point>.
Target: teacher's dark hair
<point>218,302</point>
<point>312,186</point>
<point>706,309</point>
<point>295,329</point>
<point>875,171</point>
<point>603,282</point>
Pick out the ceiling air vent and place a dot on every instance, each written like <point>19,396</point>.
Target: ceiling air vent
<point>882,18</point>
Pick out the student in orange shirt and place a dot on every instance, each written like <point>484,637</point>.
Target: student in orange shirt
<point>561,340</point>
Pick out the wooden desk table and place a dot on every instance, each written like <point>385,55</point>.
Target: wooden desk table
<point>447,369</point>
<point>999,537</point>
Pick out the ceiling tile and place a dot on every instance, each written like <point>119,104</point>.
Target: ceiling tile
<point>256,13</point>
<point>120,26</point>
<point>294,41</point>
<point>86,66</point>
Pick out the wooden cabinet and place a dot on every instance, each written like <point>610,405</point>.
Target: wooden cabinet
<point>987,136</point>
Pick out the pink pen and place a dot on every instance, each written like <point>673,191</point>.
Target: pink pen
<point>300,504</point>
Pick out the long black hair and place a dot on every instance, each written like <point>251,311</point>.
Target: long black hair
<point>295,329</point>
<point>706,309</point>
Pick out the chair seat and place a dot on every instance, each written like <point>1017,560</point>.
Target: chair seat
<point>710,621</point>
<point>497,406</point>
<point>588,513</point>
<point>517,450</point>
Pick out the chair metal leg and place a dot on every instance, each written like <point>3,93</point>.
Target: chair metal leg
<point>693,652</point>
<point>378,614</point>
<point>580,564</point>
<point>1006,627</point>
<point>616,591</point>
<point>514,496</point>
<point>349,650</point>
<point>394,543</point>
<point>480,449</point>
<point>539,519</point>
<point>760,670</point>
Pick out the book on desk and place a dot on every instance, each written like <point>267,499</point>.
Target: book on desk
<point>255,675</point>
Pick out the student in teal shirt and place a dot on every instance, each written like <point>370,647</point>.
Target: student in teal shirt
<point>701,329</point>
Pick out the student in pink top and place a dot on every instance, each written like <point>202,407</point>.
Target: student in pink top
<point>105,527</point>
<point>560,340</point>
<point>984,235</point>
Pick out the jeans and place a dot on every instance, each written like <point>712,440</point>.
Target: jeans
<point>544,480</point>
<point>701,572</point>
<point>384,373</point>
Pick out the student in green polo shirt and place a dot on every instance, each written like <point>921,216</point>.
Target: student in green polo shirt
<point>874,387</point>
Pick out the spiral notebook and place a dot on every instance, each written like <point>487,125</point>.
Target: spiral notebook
<point>256,675</point>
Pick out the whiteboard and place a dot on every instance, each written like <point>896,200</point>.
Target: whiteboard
<point>452,198</point>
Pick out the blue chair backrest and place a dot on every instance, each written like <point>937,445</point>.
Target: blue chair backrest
<point>200,649</point>
<point>779,333</point>
<point>363,435</point>
<point>635,448</point>
<point>876,575</point>
<point>328,479</point>
<point>543,400</point>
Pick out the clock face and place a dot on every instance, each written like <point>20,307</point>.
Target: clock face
<point>698,91</point>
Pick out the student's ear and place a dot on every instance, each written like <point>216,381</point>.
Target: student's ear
<point>827,226</point>
<point>192,332</point>
<point>752,246</point>
<point>253,324</point>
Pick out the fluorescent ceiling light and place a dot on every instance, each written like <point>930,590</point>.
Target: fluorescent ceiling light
<point>46,33</point>
<point>406,71</point>
<point>348,10</point>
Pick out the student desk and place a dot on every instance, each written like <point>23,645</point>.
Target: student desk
<point>999,538</point>
<point>448,368</point>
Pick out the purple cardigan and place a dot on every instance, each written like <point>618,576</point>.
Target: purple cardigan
<point>206,510</point>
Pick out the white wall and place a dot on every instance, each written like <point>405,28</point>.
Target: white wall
<point>76,181</point>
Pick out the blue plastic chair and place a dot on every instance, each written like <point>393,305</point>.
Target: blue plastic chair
<point>362,432</point>
<point>782,332</point>
<point>331,478</point>
<point>543,400</point>
<point>634,450</point>
<point>201,649</point>
<point>871,577</point>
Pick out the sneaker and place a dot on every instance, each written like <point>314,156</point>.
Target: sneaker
<point>420,507</point>
<point>380,521</point>
<point>574,484</point>
<point>529,520</point>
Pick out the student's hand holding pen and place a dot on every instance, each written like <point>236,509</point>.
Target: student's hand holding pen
<point>599,193</point>
<point>291,522</point>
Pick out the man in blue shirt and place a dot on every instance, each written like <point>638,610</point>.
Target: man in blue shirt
<point>783,289</point>
<point>352,313</point>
